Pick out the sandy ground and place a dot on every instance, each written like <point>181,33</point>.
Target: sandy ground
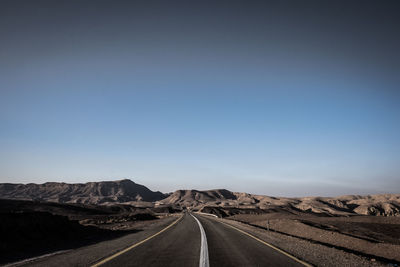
<point>373,239</point>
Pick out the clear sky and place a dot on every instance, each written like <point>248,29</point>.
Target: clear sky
<point>287,98</point>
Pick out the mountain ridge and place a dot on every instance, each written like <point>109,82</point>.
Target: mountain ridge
<point>128,192</point>
<point>119,191</point>
<point>347,205</point>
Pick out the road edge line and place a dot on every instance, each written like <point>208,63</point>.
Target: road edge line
<point>204,259</point>
<point>270,245</point>
<point>134,245</point>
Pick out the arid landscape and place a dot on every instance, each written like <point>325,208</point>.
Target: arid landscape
<point>43,218</point>
<point>252,133</point>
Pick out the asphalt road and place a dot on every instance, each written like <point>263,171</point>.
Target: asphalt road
<point>191,240</point>
<point>180,246</point>
<point>229,247</point>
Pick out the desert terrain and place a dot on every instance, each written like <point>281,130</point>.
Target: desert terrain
<point>74,224</point>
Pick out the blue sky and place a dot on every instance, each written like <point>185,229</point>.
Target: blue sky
<point>175,107</point>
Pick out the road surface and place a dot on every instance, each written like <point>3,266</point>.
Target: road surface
<point>181,245</point>
<point>187,240</point>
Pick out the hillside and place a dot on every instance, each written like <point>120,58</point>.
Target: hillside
<point>225,201</point>
<point>229,203</point>
<point>193,198</point>
<point>89,193</point>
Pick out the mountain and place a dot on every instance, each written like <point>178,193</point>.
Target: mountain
<point>191,198</point>
<point>88,193</point>
<point>227,202</point>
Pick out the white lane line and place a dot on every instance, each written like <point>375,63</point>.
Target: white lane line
<point>30,260</point>
<point>135,245</point>
<point>269,245</point>
<point>204,262</point>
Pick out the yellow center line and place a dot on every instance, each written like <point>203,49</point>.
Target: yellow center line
<point>271,246</point>
<point>134,245</point>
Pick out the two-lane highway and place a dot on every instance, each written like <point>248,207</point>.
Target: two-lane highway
<point>196,240</point>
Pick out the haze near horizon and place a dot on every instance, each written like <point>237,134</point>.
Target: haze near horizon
<point>272,98</point>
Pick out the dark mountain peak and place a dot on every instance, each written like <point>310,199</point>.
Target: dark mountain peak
<point>92,192</point>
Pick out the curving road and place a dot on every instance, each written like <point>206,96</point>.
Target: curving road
<point>182,245</point>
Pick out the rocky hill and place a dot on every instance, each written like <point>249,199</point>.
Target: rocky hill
<point>193,198</point>
<point>228,202</point>
<point>89,193</point>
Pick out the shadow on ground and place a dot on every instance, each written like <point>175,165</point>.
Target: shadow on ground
<point>29,234</point>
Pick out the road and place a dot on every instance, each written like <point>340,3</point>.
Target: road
<point>182,245</point>
<point>177,246</point>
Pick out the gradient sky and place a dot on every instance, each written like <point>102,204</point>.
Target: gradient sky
<point>284,98</point>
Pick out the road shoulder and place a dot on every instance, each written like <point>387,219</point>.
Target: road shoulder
<point>313,253</point>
